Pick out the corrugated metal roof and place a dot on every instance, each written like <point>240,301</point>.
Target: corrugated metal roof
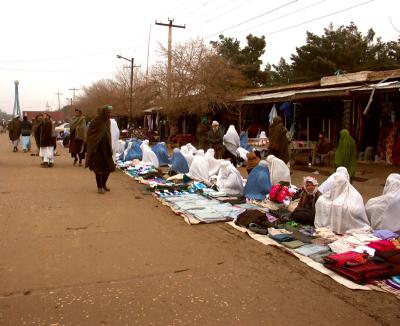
<point>314,93</point>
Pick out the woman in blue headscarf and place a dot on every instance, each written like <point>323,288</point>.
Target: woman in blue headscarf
<point>258,184</point>
<point>161,152</point>
<point>179,163</point>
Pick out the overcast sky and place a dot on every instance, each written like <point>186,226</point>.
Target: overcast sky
<point>51,46</point>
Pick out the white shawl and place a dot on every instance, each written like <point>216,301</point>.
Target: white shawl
<point>148,155</point>
<point>213,163</point>
<point>188,157</point>
<point>231,140</point>
<point>199,167</point>
<point>229,179</point>
<point>384,211</point>
<point>328,183</point>
<point>114,137</point>
<point>342,208</point>
<point>278,170</point>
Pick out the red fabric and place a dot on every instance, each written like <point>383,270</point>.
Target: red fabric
<point>396,151</point>
<point>278,193</point>
<point>363,273</point>
<point>382,245</point>
<point>349,258</point>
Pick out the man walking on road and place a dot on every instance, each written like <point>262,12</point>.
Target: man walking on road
<point>26,130</point>
<point>46,142</point>
<point>99,148</point>
<point>14,129</point>
<point>77,137</point>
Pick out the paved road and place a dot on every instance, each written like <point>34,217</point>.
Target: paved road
<point>69,256</point>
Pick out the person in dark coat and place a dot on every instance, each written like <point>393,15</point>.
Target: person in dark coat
<point>46,142</point>
<point>36,134</point>
<point>305,210</point>
<point>77,138</point>
<point>26,130</point>
<point>215,139</point>
<point>278,142</point>
<point>202,133</point>
<point>14,132</point>
<point>99,149</point>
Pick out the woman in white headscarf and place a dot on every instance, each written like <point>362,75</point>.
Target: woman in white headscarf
<point>229,180</point>
<point>188,156</point>
<point>327,184</point>
<point>278,170</point>
<point>199,167</point>
<point>213,163</point>
<point>148,155</point>
<point>231,142</point>
<point>384,211</point>
<point>342,208</point>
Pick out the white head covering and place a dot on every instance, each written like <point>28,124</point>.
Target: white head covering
<point>114,137</point>
<point>188,157</point>
<point>213,163</point>
<point>384,211</point>
<point>229,179</point>
<point>192,150</point>
<point>215,123</point>
<point>342,208</point>
<point>263,135</point>
<point>242,153</point>
<point>231,140</point>
<point>313,181</point>
<point>278,170</point>
<point>327,184</point>
<point>148,155</point>
<point>199,167</point>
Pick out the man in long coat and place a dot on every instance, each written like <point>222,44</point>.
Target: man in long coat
<point>77,140</point>
<point>14,132</point>
<point>278,141</point>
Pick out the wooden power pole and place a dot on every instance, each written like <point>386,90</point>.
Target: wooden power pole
<point>169,76</point>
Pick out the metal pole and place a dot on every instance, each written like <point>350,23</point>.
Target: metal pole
<point>130,92</point>
<point>148,54</point>
<point>169,90</point>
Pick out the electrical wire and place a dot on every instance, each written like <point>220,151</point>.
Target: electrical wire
<point>318,18</point>
<point>55,71</point>
<point>254,18</point>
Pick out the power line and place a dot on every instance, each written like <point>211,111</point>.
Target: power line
<point>320,17</point>
<point>253,18</point>
<point>283,16</point>
<point>225,12</point>
<point>56,71</point>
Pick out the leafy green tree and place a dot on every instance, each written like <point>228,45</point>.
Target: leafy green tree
<point>342,50</point>
<point>246,59</point>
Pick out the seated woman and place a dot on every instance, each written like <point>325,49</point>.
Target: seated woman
<point>199,167</point>
<point>328,183</point>
<point>229,180</point>
<point>148,155</point>
<point>179,164</point>
<point>278,169</point>
<point>252,161</point>
<point>188,156</point>
<point>384,211</point>
<point>258,184</point>
<point>305,210</point>
<point>231,142</point>
<point>342,208</point>
<point>162,154</point>
<point>213,163</point>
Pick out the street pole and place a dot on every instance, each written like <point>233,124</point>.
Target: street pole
<point>131,92</point>
<point>169,73</point>
<point>73,92</point>
<point>58,95</point>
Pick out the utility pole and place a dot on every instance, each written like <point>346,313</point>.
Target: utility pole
<point>169,77</point>
<point>47,106</point>
<point>132,61</point>
<point>73,92</point>
<point>59,106</point>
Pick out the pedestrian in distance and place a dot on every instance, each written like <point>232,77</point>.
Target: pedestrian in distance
<point>278,141</point>
<point>215,139</point>
<point>345,154</point>
<point>77,140</point>
<point>26,130</point>
<point>14,132</point>
<point>99,148</point>
<point>46,141</point>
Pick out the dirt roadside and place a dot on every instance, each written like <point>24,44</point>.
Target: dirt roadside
<point>69,256</point>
